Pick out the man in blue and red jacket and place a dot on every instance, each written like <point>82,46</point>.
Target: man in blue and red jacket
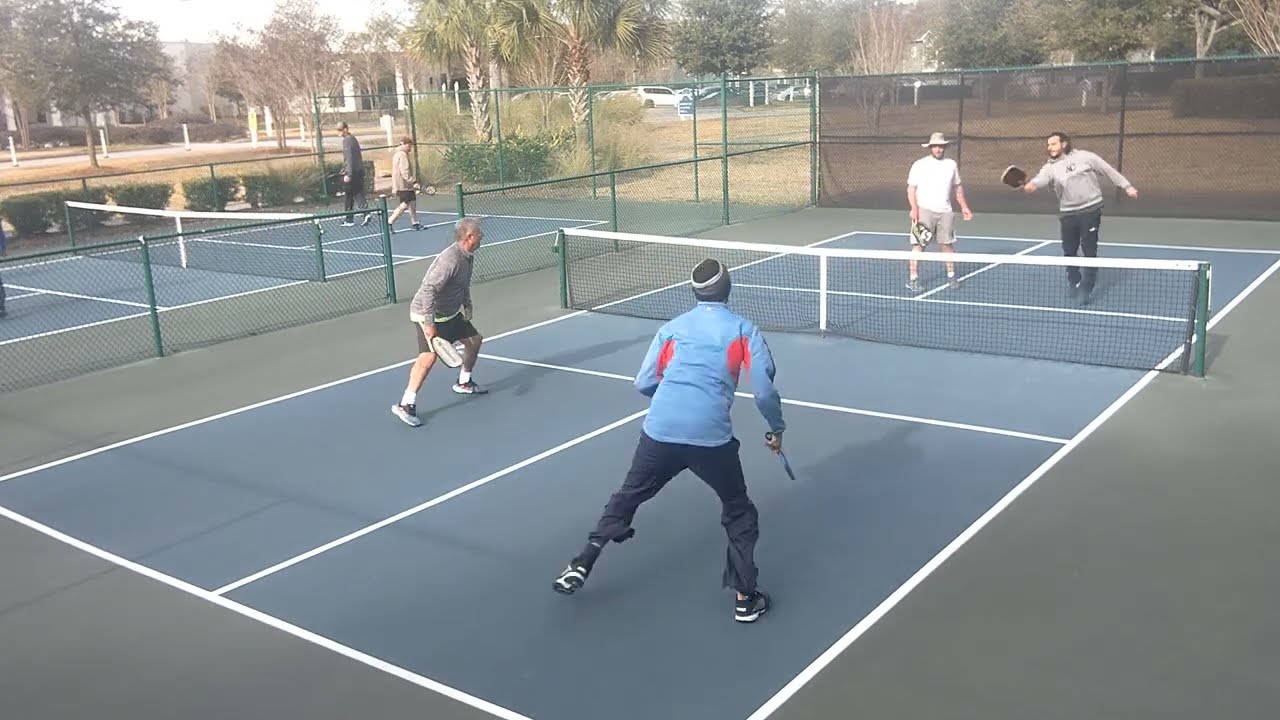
<point>691,372</point>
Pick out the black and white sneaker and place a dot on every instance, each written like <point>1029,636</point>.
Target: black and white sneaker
<point>571,578</point>
<point>752,608</point>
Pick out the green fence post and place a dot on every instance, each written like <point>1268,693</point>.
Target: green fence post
<point>149,285</point>
<point>564,268</point>
<point>613,200</point>
<point>413,134</point>
<point>696,193</point>
<point>324,179</point>
<point>813,139</point>
<point>1204,273</point>
<point>591,142</point>
<point>213,188</point>
<point>392,296</point>
<point>319,243</point>
<point>497,125</point>
<point>462,209</point>
<point>724,149</point>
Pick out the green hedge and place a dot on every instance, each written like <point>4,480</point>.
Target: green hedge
<point>525,158</point>
<point>35,213</point>
<point>1246,96</point>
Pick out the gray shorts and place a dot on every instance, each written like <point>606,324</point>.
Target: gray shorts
<point>943,225</point>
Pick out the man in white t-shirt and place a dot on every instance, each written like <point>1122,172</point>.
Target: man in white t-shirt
<point>929,186</point>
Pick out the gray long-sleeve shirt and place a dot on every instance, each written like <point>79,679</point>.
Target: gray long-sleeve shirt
<point>1074,177</point>
<point>446,287</point>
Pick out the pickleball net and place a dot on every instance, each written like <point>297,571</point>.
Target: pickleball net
<point>289,246</point>
<point>1143,314</point>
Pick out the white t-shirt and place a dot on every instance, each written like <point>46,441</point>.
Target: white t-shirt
<point>933,180</point>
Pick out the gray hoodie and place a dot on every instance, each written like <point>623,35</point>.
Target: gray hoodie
<point>1074,176</point>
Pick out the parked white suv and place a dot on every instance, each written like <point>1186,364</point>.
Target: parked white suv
<point>654,96</point>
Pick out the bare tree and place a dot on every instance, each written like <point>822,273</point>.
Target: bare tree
<point>1260,20</point>
<point>374,52</point>
<point>882,38</point>
<point>290,60</point>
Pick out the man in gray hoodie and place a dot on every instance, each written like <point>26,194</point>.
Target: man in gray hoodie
<point>1073,174</point>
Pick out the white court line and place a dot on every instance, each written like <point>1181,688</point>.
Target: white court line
<point>428,504</point>
<point>77,296</point>
<point>268,620</point>
<point>1155,246</point>
<point>803,403</point>
<point>85,326</point>
<point>799,681</point>
<point>972,303</point>
<point>19,296</point>
<point>979,271</point>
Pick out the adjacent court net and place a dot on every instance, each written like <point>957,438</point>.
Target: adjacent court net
<point>1143,314</point>
<point>277,245</point>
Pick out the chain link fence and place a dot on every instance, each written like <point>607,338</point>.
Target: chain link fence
<point>1194,136</point>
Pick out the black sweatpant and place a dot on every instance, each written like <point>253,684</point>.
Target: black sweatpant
<point>1080,232</point>
<point>653,465</point>
<point>352,188</point>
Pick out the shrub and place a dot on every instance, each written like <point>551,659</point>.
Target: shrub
<point>269,189</point>
<point>525,158</point>
<point>30,214</point>
<point>147,195</point>
<point>210,194</point>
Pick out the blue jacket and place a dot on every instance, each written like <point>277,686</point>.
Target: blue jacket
<point>691,373</point>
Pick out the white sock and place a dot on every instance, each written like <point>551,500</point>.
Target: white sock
<point>951,273</point>
<point>409,398</point>
<point>463,377</point>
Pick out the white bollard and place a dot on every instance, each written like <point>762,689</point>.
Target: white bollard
<point>457,96</point>
<point>102,136</point>
<point>13,152</point>
<point>186,137</point>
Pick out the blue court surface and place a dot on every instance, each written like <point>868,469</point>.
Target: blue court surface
<point>430,552</point>
<point>61,294</point>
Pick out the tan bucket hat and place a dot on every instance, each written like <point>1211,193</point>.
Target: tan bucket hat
<point>936,139</point>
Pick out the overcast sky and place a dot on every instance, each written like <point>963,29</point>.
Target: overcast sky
<point>198,20</point>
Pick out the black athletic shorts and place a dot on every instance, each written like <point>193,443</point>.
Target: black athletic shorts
<point>406,196</point>
<point>452,330</point>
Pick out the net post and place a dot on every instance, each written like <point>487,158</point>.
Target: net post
<point>462,208</point>
<point>822,293</point>
<point>1201,340</point>
<point>182,240</point>
<point>564,268</point>
<point>724,150</point>
<point>319,244</point>
<point>71,231</point>
<point>149,285</point>
<point>386,251</point>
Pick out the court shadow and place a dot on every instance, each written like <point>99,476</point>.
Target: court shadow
<point>521,381</point>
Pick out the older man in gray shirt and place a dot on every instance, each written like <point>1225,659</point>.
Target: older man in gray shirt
<point>352,176</point>
<point>442,306</point>
<point>1073,174</point>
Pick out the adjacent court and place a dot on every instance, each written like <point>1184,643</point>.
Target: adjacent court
<point>433,549</point>
<point>92,287</point>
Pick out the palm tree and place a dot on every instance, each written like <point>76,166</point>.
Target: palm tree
<point>475,32</point>
<point>634,27</point>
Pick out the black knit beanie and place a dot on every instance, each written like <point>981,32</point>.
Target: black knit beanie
<point>710,281</point>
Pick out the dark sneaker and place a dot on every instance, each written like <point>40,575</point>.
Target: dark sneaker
<point>914,285</point>
<point>407,413</point>
<point>752,608</point>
